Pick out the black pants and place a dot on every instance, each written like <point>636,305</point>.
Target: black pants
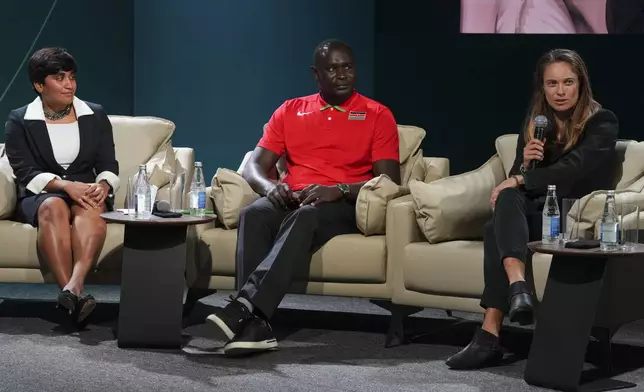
<point>274,246</point>
<point>516,221</point>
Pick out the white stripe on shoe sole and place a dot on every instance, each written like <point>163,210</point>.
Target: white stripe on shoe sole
<point>220,323</point>
<point>250,346</point>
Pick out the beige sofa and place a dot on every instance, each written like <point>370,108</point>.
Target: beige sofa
<point>138,140</point>
<point>355,265</point>
<point>437,250</point>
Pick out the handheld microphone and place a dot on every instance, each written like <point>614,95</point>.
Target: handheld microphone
<point>162,209</point>
<point>161,206</point>
<point>540,125</point>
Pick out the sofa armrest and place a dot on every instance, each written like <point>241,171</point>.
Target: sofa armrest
<point>402,230</point>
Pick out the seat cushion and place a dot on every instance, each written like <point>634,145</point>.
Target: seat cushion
<point>350,258</point>
<point>18,244</point>
<point>456,268</point>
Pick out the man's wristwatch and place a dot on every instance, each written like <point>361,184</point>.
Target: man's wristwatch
<point>344,188</point>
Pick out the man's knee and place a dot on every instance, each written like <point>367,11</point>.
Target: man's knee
<point>307,212</point>
<point>53,211</point>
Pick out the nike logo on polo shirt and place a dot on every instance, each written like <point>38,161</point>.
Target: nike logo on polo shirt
<point>303,114</point>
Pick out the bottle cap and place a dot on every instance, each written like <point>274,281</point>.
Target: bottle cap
<point>198,164</point>
<point>552,187</point>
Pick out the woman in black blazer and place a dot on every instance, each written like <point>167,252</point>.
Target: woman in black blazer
<point>61,150</point>
<point>578,156</point>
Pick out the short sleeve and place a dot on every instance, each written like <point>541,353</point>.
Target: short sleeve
<point>385,141</point>
<point>273,138</point>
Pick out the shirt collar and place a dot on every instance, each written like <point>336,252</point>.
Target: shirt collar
<point>345,106</point>
<point>36,112</point>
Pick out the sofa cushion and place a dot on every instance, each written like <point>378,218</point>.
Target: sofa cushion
<point>161,166</point>
<point>371,204</point>
<point>456,268</point>
<point>350,258</point>
<point>410,154</point>
<point>18,244</point>
<point>633,165</point>
<point>506,148</point>
<point>7,189</point>
<point>230,193</point>
<point>435,168</point>
<point>137,140</point>
<point>456,207</point>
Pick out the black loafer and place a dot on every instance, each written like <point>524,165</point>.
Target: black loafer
<point>521,303</point>
<point>484,350</point>
<point>67,301</point>
<point>86,305</point>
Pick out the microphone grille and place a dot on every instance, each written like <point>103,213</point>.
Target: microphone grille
<point>541,121</point>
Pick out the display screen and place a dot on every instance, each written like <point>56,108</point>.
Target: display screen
<point>552,16</point>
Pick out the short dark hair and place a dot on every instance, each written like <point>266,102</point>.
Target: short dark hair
<point>50,61</point>
<point>326,46</point>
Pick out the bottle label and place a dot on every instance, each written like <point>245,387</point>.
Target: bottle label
<point>201,200</point>
<point>550,226</point>
<point>609,233</point>
<point>140,203</point>
<point>194,200</point>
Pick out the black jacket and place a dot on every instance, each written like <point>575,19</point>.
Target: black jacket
<point>30,153</point>
<point>588,166</point>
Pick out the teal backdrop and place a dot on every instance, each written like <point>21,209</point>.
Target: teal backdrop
<point>219,69</point>
<point>97,33</point>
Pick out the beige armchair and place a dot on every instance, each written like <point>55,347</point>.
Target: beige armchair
<point>437,252</point>
<point>354,265</point>
<point>138,140</point>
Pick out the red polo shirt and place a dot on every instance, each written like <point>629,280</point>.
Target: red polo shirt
<point>330,145</point>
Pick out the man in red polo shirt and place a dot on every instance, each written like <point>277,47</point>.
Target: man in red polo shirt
<point>334,141</point>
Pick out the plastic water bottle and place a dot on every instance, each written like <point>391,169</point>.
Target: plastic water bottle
<point>198,192</point>
<point>551,218</point>
<point>142,195</point>
<point>609,226</point>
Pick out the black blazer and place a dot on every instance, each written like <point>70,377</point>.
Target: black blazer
<point>589,166</point>
<point>30,153</point>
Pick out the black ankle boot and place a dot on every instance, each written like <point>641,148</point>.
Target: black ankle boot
<point>484,350</point>
<point>521,303</point>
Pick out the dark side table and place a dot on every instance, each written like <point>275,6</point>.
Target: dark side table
<point>586,288</point>
<point>152,279</point>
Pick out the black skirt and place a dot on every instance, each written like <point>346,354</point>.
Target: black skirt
<point>27,207</point>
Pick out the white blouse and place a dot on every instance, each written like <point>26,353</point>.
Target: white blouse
<point>65,142</point>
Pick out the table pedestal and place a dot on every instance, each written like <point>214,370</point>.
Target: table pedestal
<point>566,317</point>
<point>152,286</point>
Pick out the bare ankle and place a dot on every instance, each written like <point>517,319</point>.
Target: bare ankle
<point>515,269</point>
<point>491,329</point>
<point>492,321</point>
<point>74,288</point>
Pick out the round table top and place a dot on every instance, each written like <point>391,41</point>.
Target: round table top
<point>185,220</point>
<point>560,249</point>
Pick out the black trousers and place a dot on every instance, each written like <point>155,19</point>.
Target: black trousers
<point>516,221</point>
<point>274,246</point>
